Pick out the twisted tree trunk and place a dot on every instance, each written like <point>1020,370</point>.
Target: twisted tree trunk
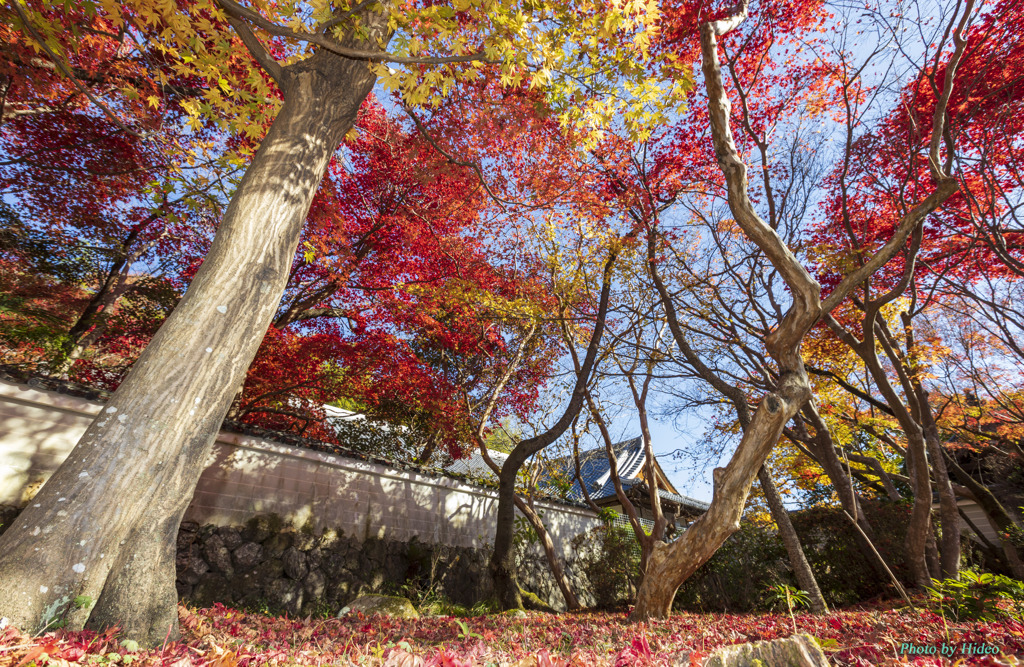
<point>502,562</point>
<point>670,565</point>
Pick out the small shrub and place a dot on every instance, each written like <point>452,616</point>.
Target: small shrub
<point>976,597</point>
<point>784,596</point>
<point>735,578</point>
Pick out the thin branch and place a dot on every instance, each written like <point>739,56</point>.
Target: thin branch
<point>66,72</point>
<point>244,13</point>
<point>462,163</point>
<point>257,51</point>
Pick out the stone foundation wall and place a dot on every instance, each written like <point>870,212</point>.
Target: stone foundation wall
<point>267,564</point>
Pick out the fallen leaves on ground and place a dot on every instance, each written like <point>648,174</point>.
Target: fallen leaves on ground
<point>224,637</point>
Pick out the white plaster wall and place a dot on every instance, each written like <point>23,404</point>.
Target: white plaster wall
<point>247,476</point>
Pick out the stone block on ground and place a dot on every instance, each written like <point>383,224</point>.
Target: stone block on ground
<point>387,605</point>
<point>315,584</point>
<point>304,541</point>
<point>277,544</point>
<point>795,651</point>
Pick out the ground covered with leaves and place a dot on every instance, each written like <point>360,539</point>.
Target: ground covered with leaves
<point>223,637</point>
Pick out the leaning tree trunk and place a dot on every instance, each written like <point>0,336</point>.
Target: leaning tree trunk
<point>103,525</point>
<point>572,603</point>
<point>824,449</point>
<point>795,551</point>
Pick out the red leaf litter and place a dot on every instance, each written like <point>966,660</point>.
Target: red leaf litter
<point>224,637</point>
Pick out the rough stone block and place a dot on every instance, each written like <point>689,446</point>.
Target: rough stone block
<point>191,568</point>
<point>315,584</point>
<point>231,536</point>
<point>314,558</point>
<point>212,587</point>
<point>247,556</point>
<point>304,541</point>
<point>269,570</point>
<point>285,594</point>
<point>386,605</point>
<point>795,651</point>
<point>185,539</point>
<point>295,563</point>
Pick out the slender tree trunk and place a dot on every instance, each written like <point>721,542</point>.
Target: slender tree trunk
<point>103,525</point>
<point>797,559</point>
<point>502,562</point>
<point>78,338</point>
<point>919,531</point>
<point>824,450</point>
<point>99,309</point>
<point>572,603</point>
<point>949,513</point>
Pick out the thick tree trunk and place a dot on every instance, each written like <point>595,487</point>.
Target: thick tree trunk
<point>795,551</point>
<point>103,525</point>
<point>670,565</point>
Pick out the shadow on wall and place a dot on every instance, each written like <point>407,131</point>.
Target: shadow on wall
<point>35,439</point>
